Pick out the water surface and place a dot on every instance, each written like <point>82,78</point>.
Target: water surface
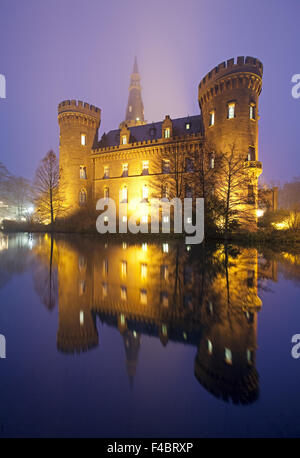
<point>113,339</point>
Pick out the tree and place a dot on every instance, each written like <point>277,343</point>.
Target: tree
<point>48,196</point>
<point>235,190</point>
<point>17,194</point>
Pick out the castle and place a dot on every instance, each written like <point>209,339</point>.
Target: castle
<point>127,160</point>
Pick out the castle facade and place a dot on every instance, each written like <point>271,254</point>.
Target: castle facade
<point>127,161</point>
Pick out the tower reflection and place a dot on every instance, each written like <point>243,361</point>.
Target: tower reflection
<point>204,296</point>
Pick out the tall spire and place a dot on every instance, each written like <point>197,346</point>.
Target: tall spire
<point>135,107</point>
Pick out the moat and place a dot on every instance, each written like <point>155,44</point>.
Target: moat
<point>115,339</point>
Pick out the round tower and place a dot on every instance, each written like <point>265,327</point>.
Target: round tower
<point>79,123</point>
<point>228,98</point>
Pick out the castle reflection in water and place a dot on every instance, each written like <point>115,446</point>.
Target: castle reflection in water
<point>205,296</point>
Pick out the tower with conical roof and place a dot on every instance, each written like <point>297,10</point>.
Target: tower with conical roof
<point>135,108</point>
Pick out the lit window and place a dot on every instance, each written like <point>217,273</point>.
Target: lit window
<point>189,165</point>
<point>82,197</point>
<point>164,330</point>
<point>209,346</point>
<point>165,191</point>
<point>81,263</point>
<point>211,118</point>
<point>83,139</point>
<point>228,356</point>
<point>251,195</point>
<point>124,268</point>
<point>124,139</point>
<point>106,192</point>
<point>188,191</point>
<point>144,246</point>
<point>164,272</point>
<point>212,161</point>
<point>165,247</point>
<point>106,171</point>
<point>145,170</point>
<point>252,111</point>
<point>249,356</point>
<point>165,166</point>
<point>122,319</point>
<point>251,153</point>
<point>81,318</point>
<point>125,170</point>
<point>105,267</point>
<point>82,172</point>
<point>82,287</point>
<point>210,308</point>
<point>144,270</point>
<point>130,108</point>
<point>145,192</point>
<point>164,299</point>
<point>123,293</point>
<point>231,110</point>
<point>143,296</point>
<point>124,193</point>
<point>167,132</point>
<point>104,289</point>
<point>124,245</point>
<point>187,126</point>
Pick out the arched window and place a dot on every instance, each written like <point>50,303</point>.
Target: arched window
<point>82,197</point>
<point>145,192</point>
<point>165,191</point>
<point>124,194</point>
<point>106,192</point>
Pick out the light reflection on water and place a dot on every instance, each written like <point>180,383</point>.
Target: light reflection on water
<point>147,339</point>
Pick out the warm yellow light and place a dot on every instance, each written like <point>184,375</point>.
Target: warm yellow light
<point>259,212</point>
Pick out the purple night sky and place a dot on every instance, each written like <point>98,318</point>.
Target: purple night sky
<point>53,50</point>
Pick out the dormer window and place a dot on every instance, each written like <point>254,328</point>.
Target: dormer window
<point>83,139</point>
<point>82,172</point>
<point>252,111</point>
<point>145,169</point>
<point>231,110</point>
<point>124,139</point>
<point>212,118</point>
<point>167,132</point>
<point>187,126</point>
